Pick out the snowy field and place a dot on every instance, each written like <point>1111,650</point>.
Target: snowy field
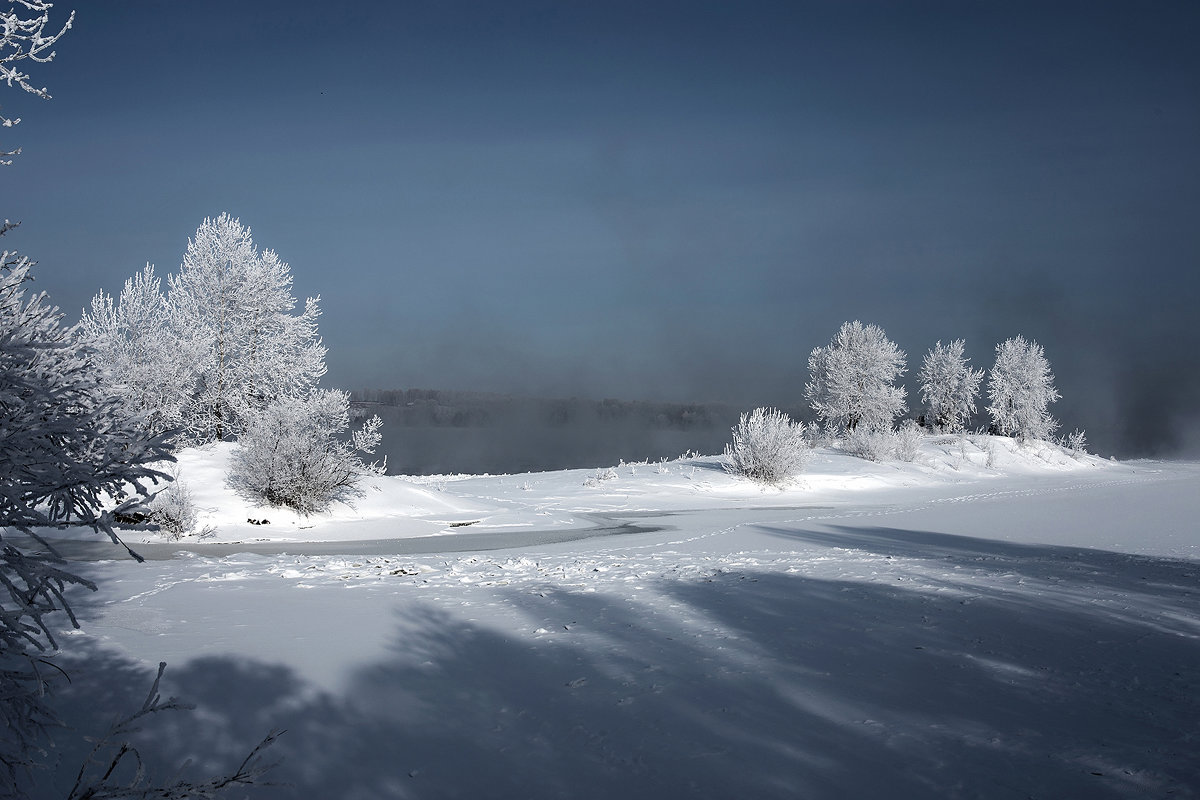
<point>992,621</point>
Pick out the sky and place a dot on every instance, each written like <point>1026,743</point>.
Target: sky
<point>652,200</point>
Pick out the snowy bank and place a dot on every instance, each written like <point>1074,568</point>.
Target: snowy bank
<point>398,507</point>
<point>939,629</point>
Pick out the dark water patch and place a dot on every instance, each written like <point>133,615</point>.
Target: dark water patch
<point>606,525</point>
<point>430,432</point>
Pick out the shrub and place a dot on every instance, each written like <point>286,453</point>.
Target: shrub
<point>172,508</point>
<point>290,454</point>
<point>991,455</point>
<point>600,477</point>
<point>1075,443</point>
<point>174,512</point>
<point>873,445</point>
<point>908,439</point>
<point>767,447</point>
<point>902,444</point>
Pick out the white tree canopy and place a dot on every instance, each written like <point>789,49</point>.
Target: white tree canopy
<point>852,379</point>
<point>152,366</point>
<point>949,387</point>
<point>232,304</point>
<point>1020,390</point>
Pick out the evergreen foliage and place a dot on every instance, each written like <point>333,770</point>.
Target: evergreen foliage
<point>66,447</point>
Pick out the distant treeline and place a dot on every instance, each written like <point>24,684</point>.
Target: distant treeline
<point>437,407</point>
<point>428,431</point>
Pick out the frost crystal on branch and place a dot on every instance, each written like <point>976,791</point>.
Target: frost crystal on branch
<point>25,37</point>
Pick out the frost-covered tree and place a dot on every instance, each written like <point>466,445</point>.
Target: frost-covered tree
<point>152,365</point>
<point>66,447</point>
<point>292,453</point>
<point>234,304</point>
<point>949,387</point>
<point>767,447</point>
<point>852,379</point>
<point>66,444</point>
<point>25,36</point>
<point>1020,390</point>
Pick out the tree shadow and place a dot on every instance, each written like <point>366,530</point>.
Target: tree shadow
<point>1068,567</point>
<point>746,684</point>
<point>982,696</point>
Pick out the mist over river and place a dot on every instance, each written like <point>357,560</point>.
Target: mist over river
<point>429,432</point>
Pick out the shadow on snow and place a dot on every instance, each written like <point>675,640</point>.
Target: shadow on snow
<point>746,684</point>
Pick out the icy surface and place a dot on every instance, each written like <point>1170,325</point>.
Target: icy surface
<point>993,621</point>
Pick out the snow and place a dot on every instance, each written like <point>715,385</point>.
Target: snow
<point>994,620</point>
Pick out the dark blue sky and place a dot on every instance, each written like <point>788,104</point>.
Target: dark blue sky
<point>652,200</point>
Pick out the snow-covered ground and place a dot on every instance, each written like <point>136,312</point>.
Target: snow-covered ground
<point>992,621</point>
